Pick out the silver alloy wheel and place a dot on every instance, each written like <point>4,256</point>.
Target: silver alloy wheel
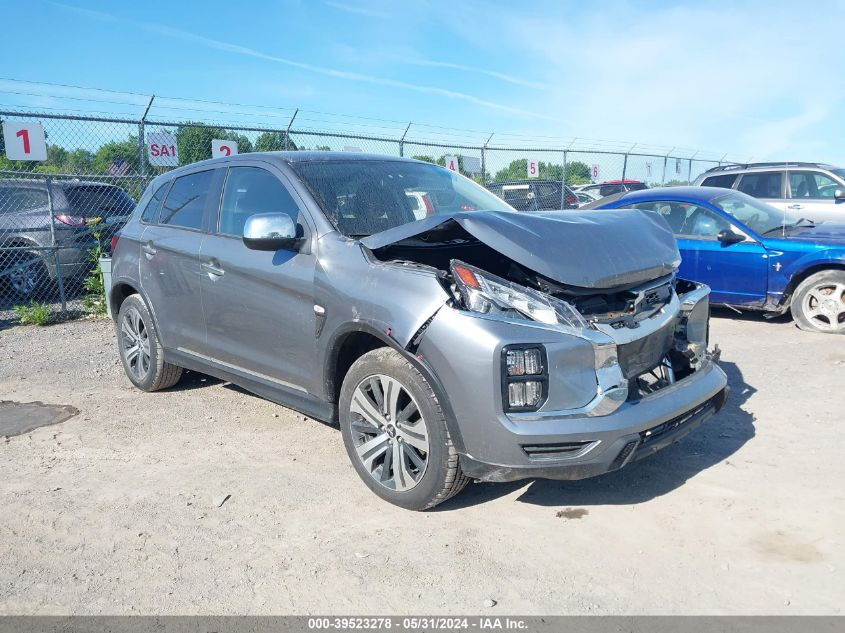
<point>136,343</point>
<point>389,432</point>
<point>824,306</point>
<point>25,278</point>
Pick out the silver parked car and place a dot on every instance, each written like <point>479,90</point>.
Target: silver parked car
<point>491,345</point>
<point>814,191</point>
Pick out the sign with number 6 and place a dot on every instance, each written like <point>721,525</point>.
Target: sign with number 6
<point>533,168</point>
<point>219,148</point>
<point>595,172</point>
<point>24,140</point>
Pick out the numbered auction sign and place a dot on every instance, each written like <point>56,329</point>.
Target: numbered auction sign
<point>24,140</point>
<point>162,150</point>
<point>533,168</point>
<point>595,171</point>
<point>219,148</point>
<point>451,163</point>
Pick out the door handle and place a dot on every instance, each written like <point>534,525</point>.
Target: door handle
<point>212,268</point>
<point>148,249</point>
<point>795,206</point>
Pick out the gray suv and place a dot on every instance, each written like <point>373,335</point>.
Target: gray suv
<point>491,345</point>
<point>808,190</point>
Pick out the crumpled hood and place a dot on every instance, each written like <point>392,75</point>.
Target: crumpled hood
<point>585,249</point>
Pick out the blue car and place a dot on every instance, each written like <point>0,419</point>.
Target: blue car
<point>752,255</point>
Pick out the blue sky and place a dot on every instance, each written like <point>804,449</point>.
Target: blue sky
<point>751,79</point>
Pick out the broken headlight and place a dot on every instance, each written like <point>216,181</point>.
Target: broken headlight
<point>488,294</point>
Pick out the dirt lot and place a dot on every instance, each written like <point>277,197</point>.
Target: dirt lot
<point>116,509</point>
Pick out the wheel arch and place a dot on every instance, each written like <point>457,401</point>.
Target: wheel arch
<point>799,277</point>
<point>355,339</point>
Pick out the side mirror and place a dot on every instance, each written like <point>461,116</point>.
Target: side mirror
<point>270,232</point>
<point>839,194</point>
<point>728,237</point>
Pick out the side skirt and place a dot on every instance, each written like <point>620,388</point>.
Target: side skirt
<point>298,400</point>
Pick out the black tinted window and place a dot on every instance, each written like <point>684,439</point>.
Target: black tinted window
<point>725,181</point>
<point>151,210</point>
<point>91,200</point>
<point>16,199</point>
<point>186,200</point>
<point>251,190</point>
<point>763,185</point>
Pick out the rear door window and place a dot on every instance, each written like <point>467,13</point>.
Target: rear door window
<point>767,184</point>
<point>725,181</point>
<point>186,200</point>
<point>17,199</point>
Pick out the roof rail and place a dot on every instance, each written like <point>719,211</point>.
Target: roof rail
<point>783,163</point>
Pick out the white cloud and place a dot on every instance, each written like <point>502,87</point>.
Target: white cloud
<point>358,9</point>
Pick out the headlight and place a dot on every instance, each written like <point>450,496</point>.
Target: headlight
<point>489,294</point>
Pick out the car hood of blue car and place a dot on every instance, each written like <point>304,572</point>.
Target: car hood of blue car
<point>819,234</point>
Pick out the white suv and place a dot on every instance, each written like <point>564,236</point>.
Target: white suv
<point>811,190</point>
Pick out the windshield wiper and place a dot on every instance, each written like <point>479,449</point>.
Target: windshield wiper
<point>791,225</point>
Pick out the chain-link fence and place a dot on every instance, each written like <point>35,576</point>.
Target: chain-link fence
<point>57,214</point>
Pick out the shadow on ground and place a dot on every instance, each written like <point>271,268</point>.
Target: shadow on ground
<point>714,442</point>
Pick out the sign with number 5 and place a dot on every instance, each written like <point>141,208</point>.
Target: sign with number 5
<point>24,140</point>
<point>533,168</point>
<point>219,148</point>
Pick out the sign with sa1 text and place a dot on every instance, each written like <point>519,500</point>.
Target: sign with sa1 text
<point>533,168</point>
<point>24,140</point>
<point>451,163</point>
<point>595,171</point>
<point>220,149</point>
<point>162,150</point>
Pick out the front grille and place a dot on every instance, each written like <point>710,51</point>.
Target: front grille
<point>655,433</point>
<point>551,451</point>
<point>643,355</point>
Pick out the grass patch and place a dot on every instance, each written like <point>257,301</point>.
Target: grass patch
<point>33,313</point>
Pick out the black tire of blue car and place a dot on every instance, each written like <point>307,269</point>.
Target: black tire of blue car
<point>818,304</point>
<point>140,350</point>
<point>425,478</point>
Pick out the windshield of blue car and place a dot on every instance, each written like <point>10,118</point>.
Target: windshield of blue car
<point>757,216</point>
<point>362,197</point>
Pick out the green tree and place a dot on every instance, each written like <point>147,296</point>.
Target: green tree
<point>577,173</point>
<point>425,159</point>
<point>273,142</point>
<point>193,142</point>
<point>108,153</point>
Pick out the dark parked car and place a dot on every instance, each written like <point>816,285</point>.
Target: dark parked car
<point>27,225</point>
<point>488,345</point>
<point>534,195</point>
<point>753,255</point>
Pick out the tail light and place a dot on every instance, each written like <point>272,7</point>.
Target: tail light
<point>570,199</point>
<point>70,220</point>
<point>114,240</point>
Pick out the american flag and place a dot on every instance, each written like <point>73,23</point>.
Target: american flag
<point>118,167</point>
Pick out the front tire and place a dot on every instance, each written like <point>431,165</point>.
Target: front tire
<point>395,432</point>
<point>140,350</point>
<point>819,302</point>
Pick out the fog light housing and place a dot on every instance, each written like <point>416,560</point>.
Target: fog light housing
<point>525,378</point>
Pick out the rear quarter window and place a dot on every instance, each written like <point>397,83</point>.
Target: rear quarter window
<point>17,199</point>
<point>150,212</point>
<point>725,181</point>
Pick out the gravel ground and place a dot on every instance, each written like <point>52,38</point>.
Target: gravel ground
<point>116,510</point>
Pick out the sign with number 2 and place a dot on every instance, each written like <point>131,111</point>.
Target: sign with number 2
<point>24,140</point>
<point>220,149</point>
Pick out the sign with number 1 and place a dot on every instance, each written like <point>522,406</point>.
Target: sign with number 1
<point>24,140</point>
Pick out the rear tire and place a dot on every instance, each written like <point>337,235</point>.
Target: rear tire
<point>390,416</point>
<point>140,351</point>
<point>818,304</point>
<point>32,281</point>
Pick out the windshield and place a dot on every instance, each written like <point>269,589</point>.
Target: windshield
<point>757,216</point>
<point>839,172</point>
<point>362,197</point>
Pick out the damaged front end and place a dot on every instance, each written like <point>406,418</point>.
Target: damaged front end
<point>607,279</point>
